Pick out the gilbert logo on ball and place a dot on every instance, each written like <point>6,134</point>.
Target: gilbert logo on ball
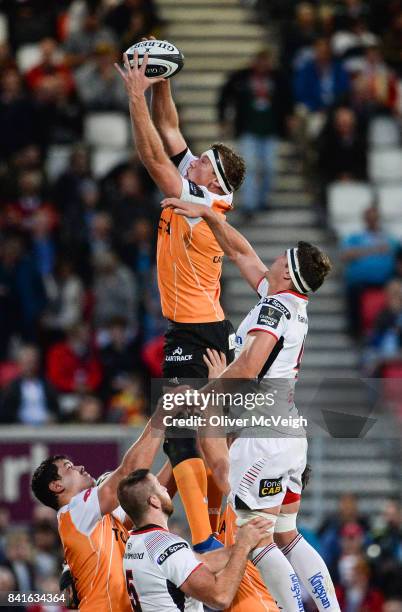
<point>164,58</point>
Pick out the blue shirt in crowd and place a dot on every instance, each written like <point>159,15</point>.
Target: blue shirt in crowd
<point>375,269</point>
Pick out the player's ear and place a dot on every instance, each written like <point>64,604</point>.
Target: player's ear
<point>56,486</point>
<point>154,501</point>
<point>215,183</point>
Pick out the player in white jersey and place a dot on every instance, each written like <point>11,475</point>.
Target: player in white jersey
<point>264,475</point>
<point>161,570</point>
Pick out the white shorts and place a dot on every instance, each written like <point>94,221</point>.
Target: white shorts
<point>263,469</point>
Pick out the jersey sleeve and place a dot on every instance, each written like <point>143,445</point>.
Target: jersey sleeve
<point>263,287</point>
<point>191,192</point>
<point>176,561</point>
<point>183,160</point>
<point>119,514</point>
<point>272,317</point>
<point>85,510</point>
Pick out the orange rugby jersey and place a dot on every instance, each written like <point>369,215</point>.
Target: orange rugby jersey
<point>189,259</point>
<point>93,548</point>
<point>252,594</point>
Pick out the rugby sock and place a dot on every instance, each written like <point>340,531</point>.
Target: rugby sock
<point>279,577</point>
<point>191,480</point>
<point>214,502</point>
<point>313,573</point>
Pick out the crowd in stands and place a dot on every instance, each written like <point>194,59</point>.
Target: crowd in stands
<point>80,321</point>
<point>364,553</point>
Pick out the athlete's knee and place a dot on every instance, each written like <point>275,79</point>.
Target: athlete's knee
<point>181,449</point>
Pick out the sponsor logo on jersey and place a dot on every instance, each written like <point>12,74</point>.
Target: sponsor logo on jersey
<point>195,190</point>
<point>232,341</point>
<point>170,550</point>
<point>239,340</point>
<point>302,319</point>
<point>217,259</point>
<point>278,305</point>
<point>177,355</point>
<point>137,556</point>
<point>270,486</point>
<point>269,316</point>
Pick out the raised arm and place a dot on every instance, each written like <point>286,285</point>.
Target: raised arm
<point>232,242</point>
<point>140,455</point>
<point>148,142</point>
<point>166,119</point>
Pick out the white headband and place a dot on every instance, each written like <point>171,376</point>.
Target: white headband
<point>217,165</point>
<point>294,271</point>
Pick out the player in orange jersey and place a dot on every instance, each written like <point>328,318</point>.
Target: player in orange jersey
<point>92,525</point>
<point>189,266</point>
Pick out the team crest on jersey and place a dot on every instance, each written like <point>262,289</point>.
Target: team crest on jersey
<point>169,551</point>
<point>269,316</point>
<point>270,486</point>
<point>278,305</point>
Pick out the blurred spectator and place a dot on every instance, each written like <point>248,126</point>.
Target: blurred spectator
<point>392,605</point>
<point>99,86</point>
<point>43,243</point>
<point>67,190</point>
<point>23,290</point>
<point>392,44</point>
<point>321,81</point>
<point>65,294</point>
<point>50,65</point>
<point>17,115</point>
<point>385,340</point>
<point>330,531</point>
<point>358,595</point>
<point>378,84</point>
<point>351,44</point>
<point>4,526</point>
<point>89,410</point>
<point>347,11</point>
<point>45,541</point>
<point>138,250</point>
<point>80,46</point>
<point>120,356</point>
<point>258,100</point>
<point>128,406</point>
<point>121,17</point>
<point>73,365</point>
<point>101,233</point>
<point>369,259</point>
<point>19,560</point>
<point>129,201</point>
<point>387,534</point>
<point>115,291</point>
<point>351,545</point>
<point>299,36</point>
<point>20,213</point>
<point>342,149</point>
<point>29,399</point>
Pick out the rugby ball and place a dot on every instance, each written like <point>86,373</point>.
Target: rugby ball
<point>164,59</point>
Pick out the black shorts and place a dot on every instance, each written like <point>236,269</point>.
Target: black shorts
<point>186,343</point>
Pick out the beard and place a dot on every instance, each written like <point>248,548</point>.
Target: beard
<point>167,506</point>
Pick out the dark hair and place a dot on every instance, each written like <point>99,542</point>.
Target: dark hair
<point>46,473</point>
<point>134,499</point>
<point>315,265</point>
<point>233,164</point>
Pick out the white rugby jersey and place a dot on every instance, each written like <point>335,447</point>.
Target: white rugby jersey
<point>284,316</point>
<point>191,192</point>
<point>156,563</point>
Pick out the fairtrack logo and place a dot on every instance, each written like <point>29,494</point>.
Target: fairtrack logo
<point>177,355</point>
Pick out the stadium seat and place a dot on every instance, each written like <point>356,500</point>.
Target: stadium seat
<point>372,301</point>
<point>57,160</point>
<point>390,205</point>
<point>104,159</point>
<point>385,165</point>
<point>28,56</point>
<point>346,203</point>
<point>109,130</point>
<point>3,28</point>
<point>384,132</point>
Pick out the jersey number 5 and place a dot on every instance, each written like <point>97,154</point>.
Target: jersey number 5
<point>132,593</point>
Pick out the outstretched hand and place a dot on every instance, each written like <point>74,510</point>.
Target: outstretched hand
<point>185,209</point>
<point>135,80</point>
